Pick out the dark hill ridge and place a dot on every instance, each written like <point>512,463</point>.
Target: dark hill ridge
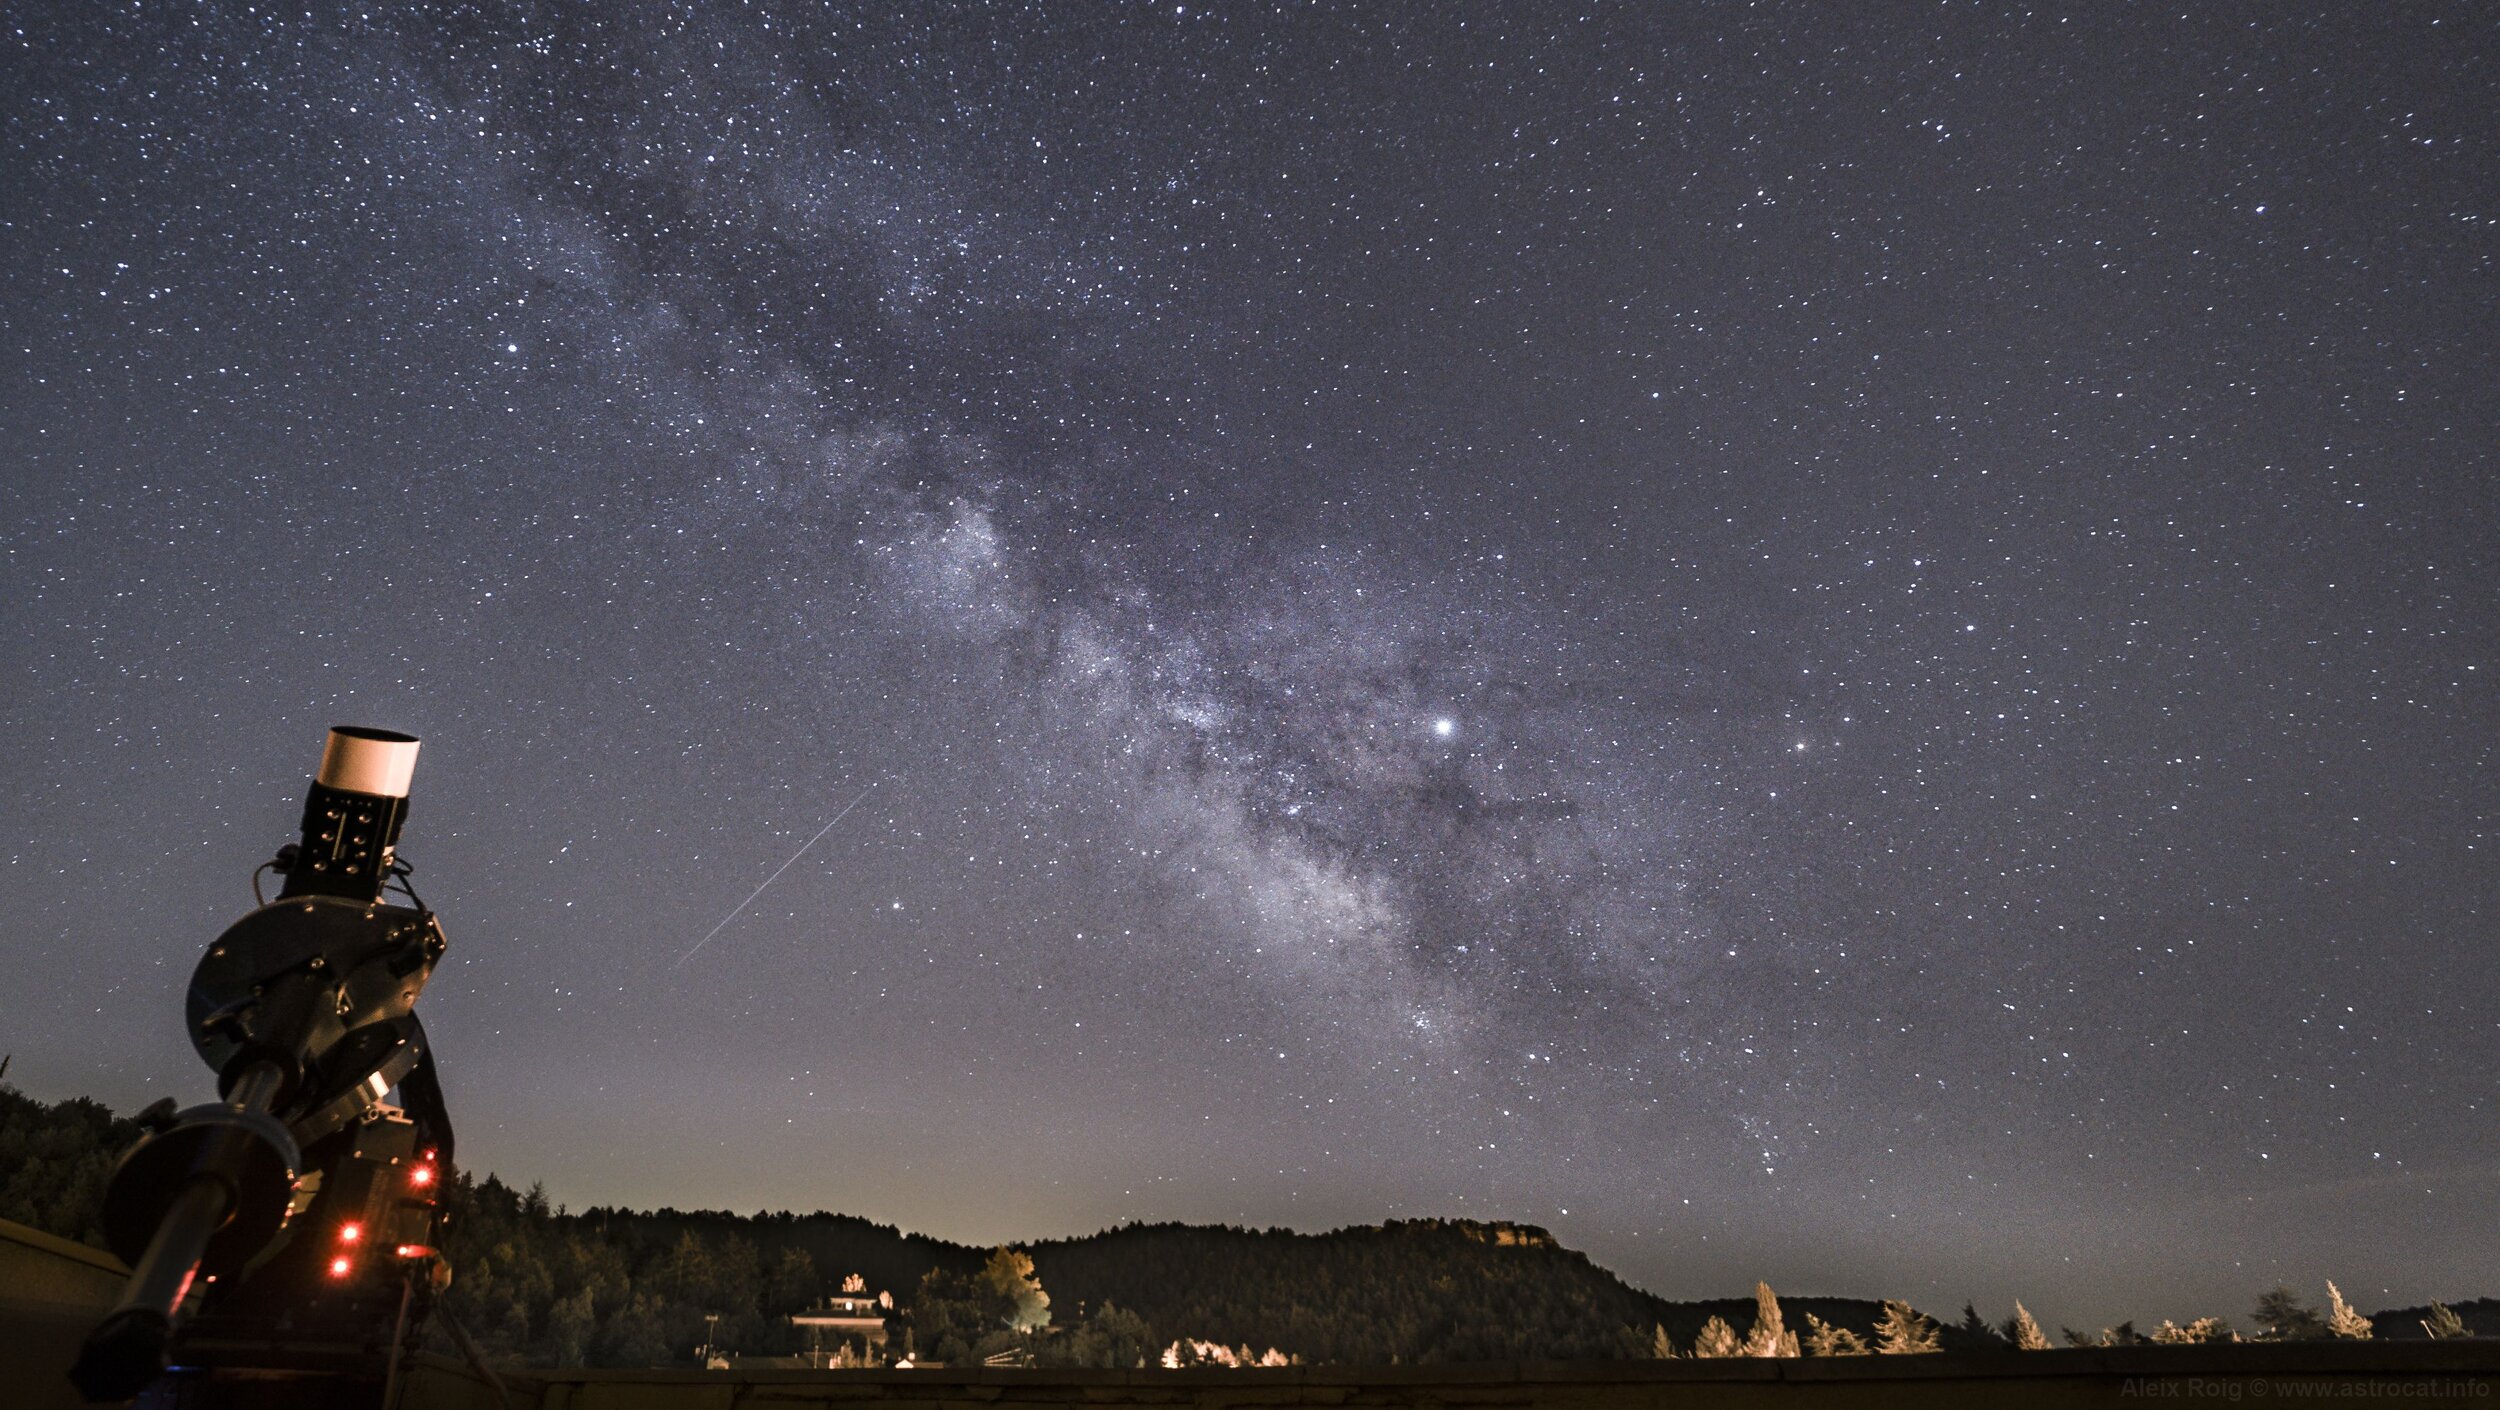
<point>2481,1317</point>
<point>632,1288</point>
<point>1410,1291</point>
<point>626,1287</point>
<point>1426,1289</point>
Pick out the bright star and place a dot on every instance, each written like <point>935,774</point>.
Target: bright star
<point>1445,727</point>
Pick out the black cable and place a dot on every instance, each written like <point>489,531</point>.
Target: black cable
<point>400,871</point>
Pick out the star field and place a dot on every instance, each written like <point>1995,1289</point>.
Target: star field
<point>1844,646</point>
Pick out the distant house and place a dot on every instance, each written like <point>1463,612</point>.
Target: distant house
<point>846,1328</point>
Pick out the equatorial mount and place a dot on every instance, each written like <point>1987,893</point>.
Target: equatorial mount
<point>281,1225</point>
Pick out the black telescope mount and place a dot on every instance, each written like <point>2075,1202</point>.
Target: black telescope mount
<point>290,1230</point>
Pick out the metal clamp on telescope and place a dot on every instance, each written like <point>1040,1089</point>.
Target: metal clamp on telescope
<point>291,1227</point>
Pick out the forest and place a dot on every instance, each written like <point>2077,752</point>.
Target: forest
<point>537,1284</point>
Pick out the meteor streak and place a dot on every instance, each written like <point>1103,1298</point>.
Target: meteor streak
<point>776,876</point>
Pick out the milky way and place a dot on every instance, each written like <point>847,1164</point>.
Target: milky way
<point>1799,645</point>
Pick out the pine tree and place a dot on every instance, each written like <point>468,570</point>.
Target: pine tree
<point>687,1273</point>
<point>1824,1339</point>
<point>2024,1332</point>
<point>2443,1323</point>
<point>2341,1320</point>
<point>2286,1318</point>
<point>792,1281</point>
<point>1904,1331</point>
<point>1770,1335</point>
<point>1661,1346</point>
<point>1717,1339</point>
<point>1976,1330</point>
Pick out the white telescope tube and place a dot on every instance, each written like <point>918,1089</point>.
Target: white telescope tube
<point>378,762</point>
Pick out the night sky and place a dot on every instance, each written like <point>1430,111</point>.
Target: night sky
<point>1843,644</point>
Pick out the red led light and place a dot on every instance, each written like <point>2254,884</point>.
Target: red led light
<point>350,1232</point>
<point>422,1176</point>
<point>415,1251</point>
<point>339,1267</point>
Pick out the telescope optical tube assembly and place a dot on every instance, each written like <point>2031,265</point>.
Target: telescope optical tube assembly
<point>352,815</point>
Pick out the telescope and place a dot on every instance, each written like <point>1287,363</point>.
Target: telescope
<point>289,1230</point>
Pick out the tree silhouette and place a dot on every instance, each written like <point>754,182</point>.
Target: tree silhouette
<point>1904,1332</point>
<point>951,1316</point>
<point>1112,1338</point>
<point>2286,1318</point>
<point>2024,1331</point>
<point>1824,1339</point>
<point>1770,1335</point>
<point>2124,1334</point>
<point>2341,1320</point>
<point>1009,1276</point>
<point>1975,1332</point>
<point>792,1283</point>
<point>2203,1329</point>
